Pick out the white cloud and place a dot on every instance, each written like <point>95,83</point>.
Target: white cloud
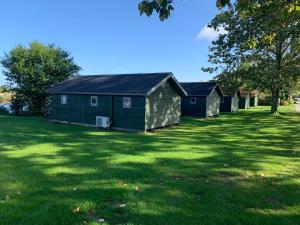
<point>210,34</point>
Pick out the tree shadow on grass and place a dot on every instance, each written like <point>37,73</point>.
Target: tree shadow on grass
<point>236,169</point>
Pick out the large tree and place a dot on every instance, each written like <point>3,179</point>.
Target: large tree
<point>30,71</point>
<point>261,46</point>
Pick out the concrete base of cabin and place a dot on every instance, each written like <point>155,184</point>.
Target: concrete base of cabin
<point>111,128</point>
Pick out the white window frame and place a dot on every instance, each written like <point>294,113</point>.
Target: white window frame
<point>63,99</point>
<point>127,103</point>
<point>194,101</point>
<point>91,100</point>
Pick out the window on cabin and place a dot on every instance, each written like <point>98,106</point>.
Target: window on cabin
<point>221,100</point>
<point>126,102</point>
<point>94,101</point>
<point>193,100</point>
<point>63,99</point>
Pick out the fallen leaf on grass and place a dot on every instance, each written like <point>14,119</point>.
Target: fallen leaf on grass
<point>138,189</point>
<point>7,198</point>
<point>101,220</point>
<point>121,205</point>
<point>76,210</point>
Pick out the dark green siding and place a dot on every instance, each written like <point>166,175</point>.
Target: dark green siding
<point>89,113</point>
<point>69,112</point>
<point>244,102</point>
<point>195,110</point>
<point>163,107</point>
<point>78,108</point>
<point>253,101</point>
<point>226,105</point>
<point>133,118</point>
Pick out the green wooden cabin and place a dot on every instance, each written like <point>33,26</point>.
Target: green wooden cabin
<point>203,99</point>
<point>137,102</point>
<point>244,101</point>
<point>230,101</point>
<point>253,99</point>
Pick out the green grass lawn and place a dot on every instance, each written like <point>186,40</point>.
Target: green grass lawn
<point>240,168</point>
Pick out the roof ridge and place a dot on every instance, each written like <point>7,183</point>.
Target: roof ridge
<point>124,74</point>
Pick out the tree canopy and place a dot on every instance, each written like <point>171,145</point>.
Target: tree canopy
<point>31,71</point>
<point>165,7</point>
<point>260,48</point>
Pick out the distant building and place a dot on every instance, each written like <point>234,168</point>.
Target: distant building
<point>203,99</point>
<point>244,101</point>
<point>253,98</point>
<point>230,101</point>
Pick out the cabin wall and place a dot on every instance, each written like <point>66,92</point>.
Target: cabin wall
<point>235,103</point>
<point>78,108</point>
<point>213,104</point>
<point>226,105</point>
<point>195,110</point>
<point>244,102</point>
<point>129,118</point>
<point>163,107</point>
<point>253,101</point>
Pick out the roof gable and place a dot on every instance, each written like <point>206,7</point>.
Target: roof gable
<point>121,84</point>
<point>201,88</point>
<point>244,94</point>
<point>230,91</point>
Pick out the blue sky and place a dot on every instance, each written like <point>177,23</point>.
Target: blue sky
<point>111,37</point>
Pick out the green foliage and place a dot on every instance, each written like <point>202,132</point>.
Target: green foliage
<point>165,7</point>
<point>162,7</point>
<point>260,49</point>
<point>284,102</point>
<point>4,89</point>
<point>239,168</point>
<point>31,71</point>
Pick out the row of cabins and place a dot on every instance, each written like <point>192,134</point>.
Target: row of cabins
<point>139,102</point>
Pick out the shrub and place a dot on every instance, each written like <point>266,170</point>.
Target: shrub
<point>284,103</point>
<point>265,101</point>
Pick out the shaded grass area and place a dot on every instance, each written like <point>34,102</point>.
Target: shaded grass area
<point>240,168</point>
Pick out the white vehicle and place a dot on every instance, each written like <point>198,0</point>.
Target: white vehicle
<point>297,100</point>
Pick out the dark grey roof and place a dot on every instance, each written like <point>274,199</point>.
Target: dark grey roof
<point>230,91</point>
<point>201,88</point>
<point>120,84</point>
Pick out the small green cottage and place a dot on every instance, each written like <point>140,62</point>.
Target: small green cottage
<point>137,102</point>
<point>244,101</point>
<point>253,98</point>
<point>203,99</point>
<point>230,101</point>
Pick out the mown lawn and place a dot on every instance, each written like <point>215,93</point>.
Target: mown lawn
<point>241,168</point>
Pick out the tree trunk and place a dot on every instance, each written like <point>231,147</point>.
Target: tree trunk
<point>275,101</point>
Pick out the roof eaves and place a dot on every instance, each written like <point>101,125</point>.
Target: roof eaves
<point>97,93</point>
